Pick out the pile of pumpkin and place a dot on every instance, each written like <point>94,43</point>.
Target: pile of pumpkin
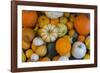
<point>55,36</point>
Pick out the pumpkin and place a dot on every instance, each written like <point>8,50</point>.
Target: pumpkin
<point>28,53</point>
<point>29,18</point>
<point>53,14</point>
<point>87,56</point>
<point>87,42</point>
<point>43,20</point>
<point>63,58</point>
<point>63,46</point>
<point>54,21</point>
<point>23,57</point>
<point>78,50</point>
<point>63,20</point>
<point>51,52</point>
<point>82,24</point>
<point>25,45</point>
<point>34,57</point>
<point>81,38</point>
<point>27,34</point>
<point>41,50</point>
<point>62,30</point>
<point>45,59</point>
<point>49,33</point>
<point>37,41</point>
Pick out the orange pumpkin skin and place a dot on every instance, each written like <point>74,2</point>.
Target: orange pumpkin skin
<point>63,46</point>
<point>82,24</point>
<point>29,18</point>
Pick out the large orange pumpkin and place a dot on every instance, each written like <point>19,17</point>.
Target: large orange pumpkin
<point>82,24</point>
<point>63,46</point>
<point>29,18</point>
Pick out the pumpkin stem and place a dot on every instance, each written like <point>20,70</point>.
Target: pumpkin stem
<point>80,46</point>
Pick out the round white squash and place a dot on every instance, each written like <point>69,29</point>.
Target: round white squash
<point>63,58</point>
<point>38,41</point>
<point>78,50</point>
<point>34,57</point>
<point>53,14</point>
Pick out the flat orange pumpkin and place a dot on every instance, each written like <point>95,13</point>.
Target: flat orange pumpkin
<point>82,24</point>
<point>29,18</point>
<point>63,46</point>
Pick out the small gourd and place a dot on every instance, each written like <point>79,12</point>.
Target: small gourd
<point>23,57</point>
<point>45,59</point>
<point>51,51</point>
<point>41,50</point>
<point>78,50</point>
<point>28,53</point>
<point>38,41</point>
<point>62,29</point>
<point>49,33</point>
<point>53,14</point>
<point>87,42</point>
<point>34,57</point>
<point>63,58</point>
<point>25,45</point>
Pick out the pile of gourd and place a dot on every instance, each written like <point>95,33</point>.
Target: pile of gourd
<point>55,36</point>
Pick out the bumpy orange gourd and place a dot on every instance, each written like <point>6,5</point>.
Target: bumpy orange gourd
<point>63,46</point>
<point>82,24</point>
<point>29,18</point>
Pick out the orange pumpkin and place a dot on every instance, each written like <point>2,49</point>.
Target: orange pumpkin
<point>29,18</point>
<point>63,46</point>
<point>82,24</point>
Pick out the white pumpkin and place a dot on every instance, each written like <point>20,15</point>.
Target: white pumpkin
<point>38,41</point>
<point>34,57</point>
<point>63,58</point>
<point>53,14</point>
<point>78,50</point>
<point>49,33</point>
<point>62,29</point>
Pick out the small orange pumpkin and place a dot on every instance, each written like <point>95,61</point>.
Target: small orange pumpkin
<point>81,38</point>
<point>63,46</point>
<point>29,18</point>
<point>82,24</point>
<point>54,21</point>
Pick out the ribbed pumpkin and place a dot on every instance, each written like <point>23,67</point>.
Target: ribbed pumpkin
<point>82,24</point>
<point>63,46</point>
<point>49,33</point>
<point>29,18</point>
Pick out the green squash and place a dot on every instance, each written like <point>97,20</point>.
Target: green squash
<point>51,52</point>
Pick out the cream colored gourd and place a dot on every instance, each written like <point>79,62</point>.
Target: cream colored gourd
<point>78,50</point>
<point>53,14</point>
<point>49,33</point>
